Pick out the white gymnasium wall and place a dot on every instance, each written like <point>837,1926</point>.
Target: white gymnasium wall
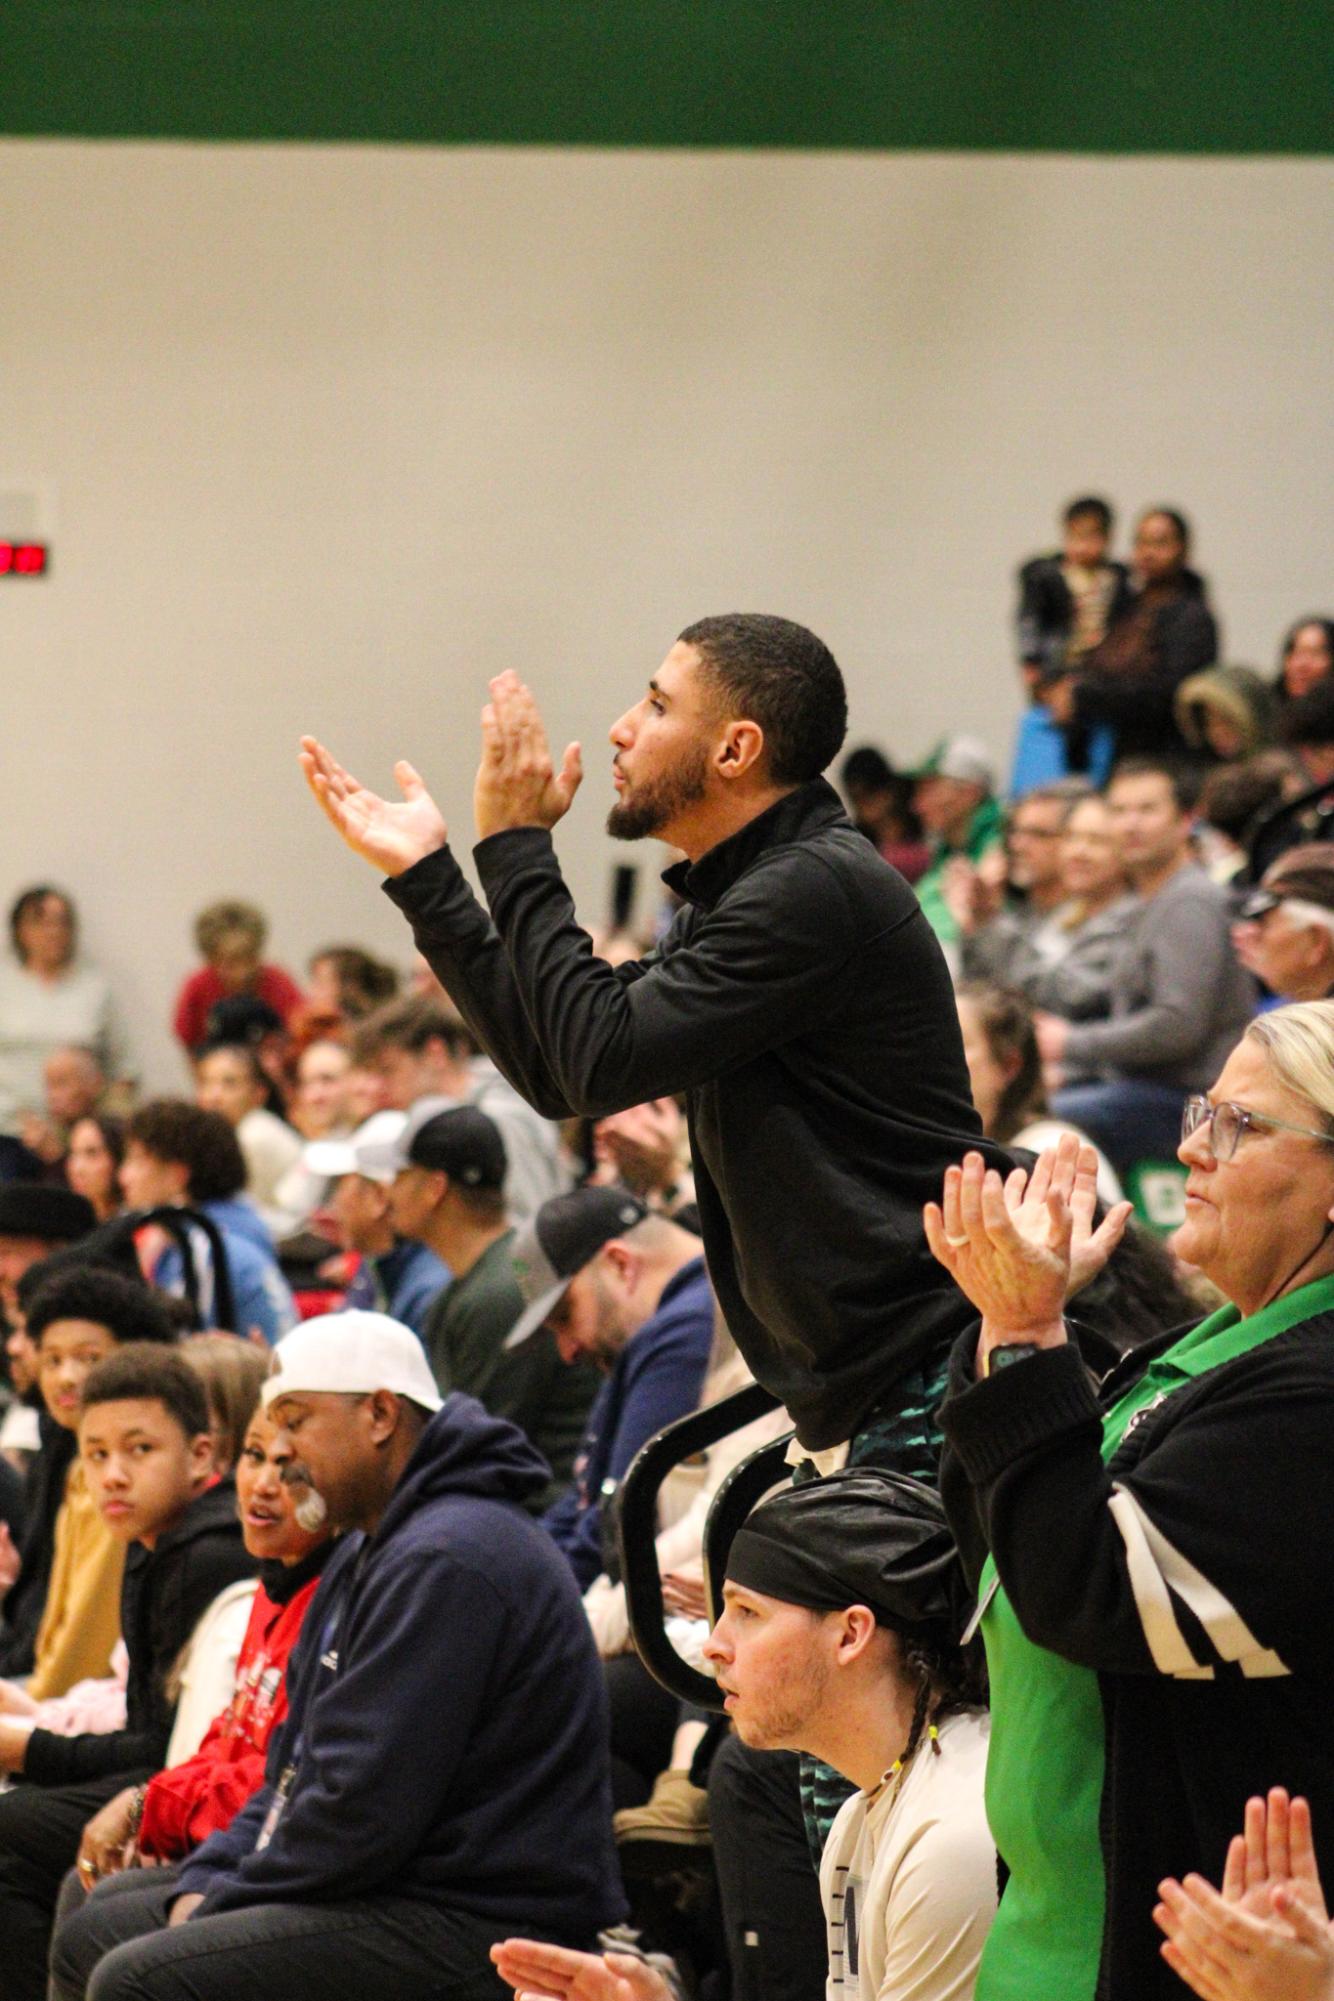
<point>323,437</point>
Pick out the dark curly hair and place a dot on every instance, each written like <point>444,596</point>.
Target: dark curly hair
<point>175,1130</point>
<point>127,1308</point>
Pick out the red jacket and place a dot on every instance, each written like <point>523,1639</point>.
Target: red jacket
<point>188,1802</point>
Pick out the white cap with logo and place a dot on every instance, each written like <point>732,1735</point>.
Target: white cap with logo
<point>352,1353</point>
<point>367,1151</point>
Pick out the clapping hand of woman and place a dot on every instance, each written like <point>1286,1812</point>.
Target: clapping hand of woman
<point>1267,1937</point>
<point>1019,1248</point>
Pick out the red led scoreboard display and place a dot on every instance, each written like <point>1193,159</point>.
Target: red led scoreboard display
<point>23,559</point>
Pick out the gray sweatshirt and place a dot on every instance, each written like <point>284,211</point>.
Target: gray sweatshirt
<point>1179,999</point>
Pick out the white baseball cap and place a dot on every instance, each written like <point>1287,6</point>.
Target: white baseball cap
<point>352,1353</point>
<point>367,1151</point>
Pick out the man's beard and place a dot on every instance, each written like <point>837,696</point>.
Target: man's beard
<point>656,804</point>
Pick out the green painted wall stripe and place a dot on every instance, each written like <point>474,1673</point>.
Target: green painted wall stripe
<point>1128,76</point>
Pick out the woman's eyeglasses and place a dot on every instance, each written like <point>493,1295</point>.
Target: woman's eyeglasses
<point>1228,1122</point>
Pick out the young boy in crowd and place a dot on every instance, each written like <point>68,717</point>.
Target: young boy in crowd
<point>77,1318</point>
<point>1067,599</point>
<point>147,1456</point>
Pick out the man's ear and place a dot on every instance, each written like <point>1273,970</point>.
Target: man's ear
<point>623,1263</point>
<point>740,750</point>
<point>382,1406</point>
<point>856,1633</point>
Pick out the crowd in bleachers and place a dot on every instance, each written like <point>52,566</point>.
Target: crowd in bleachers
<point>370,1323</point>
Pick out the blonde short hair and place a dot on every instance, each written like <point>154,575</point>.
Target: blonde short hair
<point>1299,1043</point>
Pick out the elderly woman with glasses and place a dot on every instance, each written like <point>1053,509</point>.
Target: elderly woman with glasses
<point>1155,1554</point>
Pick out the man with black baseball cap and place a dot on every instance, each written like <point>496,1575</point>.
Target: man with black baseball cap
<point>626,1290</point>
<point>448,1165</point>
<point>839,1635</point>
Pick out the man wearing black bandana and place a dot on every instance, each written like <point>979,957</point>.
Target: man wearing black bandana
<point>838,1636</point>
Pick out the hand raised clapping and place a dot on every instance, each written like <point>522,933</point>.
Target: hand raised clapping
<point>1021,1248</point>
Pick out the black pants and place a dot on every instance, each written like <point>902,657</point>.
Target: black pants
<point>40,1831</point>
<point>116,1947</point>
<point>643,1723</point>
<point>770,1892</point>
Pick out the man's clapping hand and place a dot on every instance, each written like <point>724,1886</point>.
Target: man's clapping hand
<point>390,834</point>
<point>517,783</point>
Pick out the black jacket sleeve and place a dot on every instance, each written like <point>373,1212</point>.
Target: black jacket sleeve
<point>209,1565</point>
<point>1204,1541</point>
<point>593,1038</point>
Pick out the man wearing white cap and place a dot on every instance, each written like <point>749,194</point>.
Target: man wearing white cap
<point>953,797</point>
<point>396,1276</point>
<point>442,1778</point>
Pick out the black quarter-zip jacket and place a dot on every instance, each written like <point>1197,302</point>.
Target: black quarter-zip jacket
<point>801,1003</point>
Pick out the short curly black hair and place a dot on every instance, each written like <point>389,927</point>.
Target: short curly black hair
<point>175,1130</point>
<point>126,1307</point>
<point>779,675</point>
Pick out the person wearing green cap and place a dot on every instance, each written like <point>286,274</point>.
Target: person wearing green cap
<point>1153,1555</point>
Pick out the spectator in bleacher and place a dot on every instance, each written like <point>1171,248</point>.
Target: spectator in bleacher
<point>50,999</point>
<point>1000,1046</point>
<point>1284,932</point>
<point>177,1153</point>
<point>1307,730</point>
<point>1305,657</point>
<point>839,1636</point>
<point>228,1079</point>
<point>1235,800</point>
<point>441,1778</point>
<point>1158,1640</point>
<point>422,1049</point>
<point>880,801</point>
<point>1178,997</point>
<point>448,1172</point>
<point>953,798</point>
<point>1226,713</point>
<point>161,1821</point>
<point>397,1275</point>
<point>346,984</point>
<point>92,1163</point>
<point>230,937</point>
<point>319,1107</point>
<point>1068,599</point>
<point>1064,963</point>
<point>1163,633</point>
<point>626,1291</point>
<point>148,1458</point>
<point>36,1219</point>
<point>1014,894</point>
<point>74,1088</point>
<point>75,1319</point>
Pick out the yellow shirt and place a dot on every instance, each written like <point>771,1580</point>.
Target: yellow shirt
<point>81,1622</point>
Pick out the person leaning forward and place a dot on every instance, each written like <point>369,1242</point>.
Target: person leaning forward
<point>799,1000</point>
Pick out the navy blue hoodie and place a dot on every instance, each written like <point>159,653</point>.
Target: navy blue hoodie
<point>447,1733</point>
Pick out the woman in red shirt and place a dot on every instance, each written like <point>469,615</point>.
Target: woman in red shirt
<point>183,1805</point>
